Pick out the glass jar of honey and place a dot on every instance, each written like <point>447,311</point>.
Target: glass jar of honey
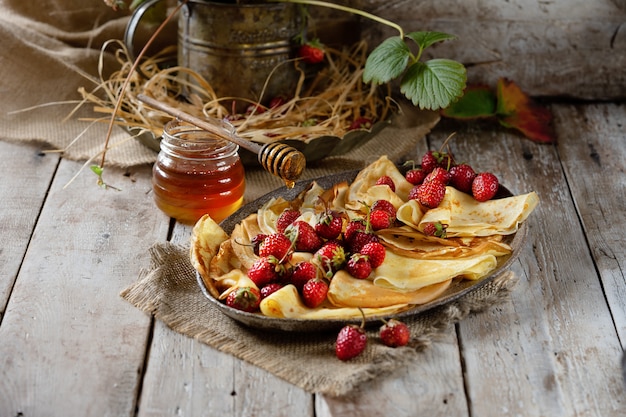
<point>197,172</point>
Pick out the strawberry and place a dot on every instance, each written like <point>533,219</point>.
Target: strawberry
<point>394,333</point>
<point>264,270</point>
<point>359,266</point>
<point>304,236</point>
<point>435,229</point>
<point>351,342</point>
<point>244,299</point>
<point>429,194</point>
<point>353,227</point>
<point>256,242</point>
<point>361,123</point>
<point>359,239</point>
<point>438,174</point>
<point>375,253</point>
<point>484,186</point>
<point>331,257</point>
<point>461,177</point>
<point>277,102</point>
<point>277,245</point>
<point>380,219</point>
<point>311,52</point>
<point>386,206</point>
<point>433,159</point>
<point>302,273</point>
<point>270,289</point>
<point>415,176</point>
<point>386,180</point>
<point>314,292</point>
<point>329,224</point>
<point>287,217</point>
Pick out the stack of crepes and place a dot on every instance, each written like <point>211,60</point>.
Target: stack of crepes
<point>417,268</point>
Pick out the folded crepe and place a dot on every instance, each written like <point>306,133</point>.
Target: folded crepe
<point>464,216</point>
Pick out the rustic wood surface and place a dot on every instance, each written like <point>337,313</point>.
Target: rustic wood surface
<point>567,48</point>
<point>71,346</point>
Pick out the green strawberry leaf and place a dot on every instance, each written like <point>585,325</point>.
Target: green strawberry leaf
<point>434,84</point>
<point>387,61</point>
<point>477,102</point>
<point>426,39</point>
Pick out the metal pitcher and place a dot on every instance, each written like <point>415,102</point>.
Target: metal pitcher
<point>242,50</point>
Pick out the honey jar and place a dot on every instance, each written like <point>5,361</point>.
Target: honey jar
<point>197,172</point>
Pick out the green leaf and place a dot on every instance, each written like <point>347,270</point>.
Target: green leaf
<point>97,170</point>
<point>434,84</point>
<point>477,102</point>
<point>387,61</point>
<point>426,39</point>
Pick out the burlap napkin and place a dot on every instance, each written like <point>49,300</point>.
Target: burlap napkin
<point>169,291</point>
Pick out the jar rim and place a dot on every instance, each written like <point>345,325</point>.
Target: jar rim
<point>196,142</point>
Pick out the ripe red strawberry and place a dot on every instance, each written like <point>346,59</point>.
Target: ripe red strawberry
<point>429,162</point>
<point>352,227</point>
<point>276,102</point>
<point>263,271</point>
<point>314,292</point>
<point>329,224</point>
<point>256,242</point>
<point>270,289</point>
<point>438,174</point>
<point>386,206</point>
<point>485,186</point>
<point>461,177</point>
<point>304,236</point>
<point>430,194</point>
<point>375,252</point>
<point>351,342</point>
<point>380,219</point>
<point>433,159</point>
<point>359,239</point>
<point>359,266</point>
<point>285,219</point>
<point>331,257</point>
<point>277,245</point>
<point>435,229</point>
<point>386,180</point>
<point>361,123</point>
<point>302,273</point>
<point>244,299</point>
<point>311,52</point>
<point>394,333</point>
<point>415,176</point>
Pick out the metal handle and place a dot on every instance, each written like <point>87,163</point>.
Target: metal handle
<point>133,24</point>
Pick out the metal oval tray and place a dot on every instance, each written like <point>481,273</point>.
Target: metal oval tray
<point>459,288</point>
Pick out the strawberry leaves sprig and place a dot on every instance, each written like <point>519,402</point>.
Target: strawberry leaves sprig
<point>433,84</point>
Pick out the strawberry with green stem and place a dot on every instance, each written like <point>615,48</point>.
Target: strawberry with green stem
<point>351,341</point>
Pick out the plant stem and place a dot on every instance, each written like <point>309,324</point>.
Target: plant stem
<point>347,10</point>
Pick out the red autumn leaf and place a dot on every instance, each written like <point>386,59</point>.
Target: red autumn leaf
<point>518,111</point>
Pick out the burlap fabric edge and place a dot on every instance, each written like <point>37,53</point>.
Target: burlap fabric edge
<point>168,290</point>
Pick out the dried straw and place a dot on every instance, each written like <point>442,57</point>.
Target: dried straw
<point>324,105</point>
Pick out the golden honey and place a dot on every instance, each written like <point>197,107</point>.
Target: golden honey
<point>197,173</point>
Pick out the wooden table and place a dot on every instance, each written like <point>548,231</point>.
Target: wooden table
<point>71,346</point>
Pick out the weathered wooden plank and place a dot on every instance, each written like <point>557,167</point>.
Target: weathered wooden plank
<point>595,166</point>
<point>25,171</point>
<point>69,344</point>
<point>202,381</point>
<point>520,360</point>
<point>431,386</point>
<point>572,48</point>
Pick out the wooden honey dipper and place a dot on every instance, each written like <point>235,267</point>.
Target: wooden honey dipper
<point>276,158</point>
